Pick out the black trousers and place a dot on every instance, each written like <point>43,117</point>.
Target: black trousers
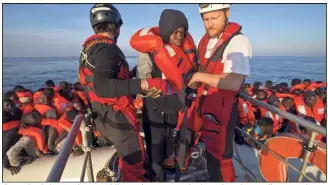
<point>158,128</point>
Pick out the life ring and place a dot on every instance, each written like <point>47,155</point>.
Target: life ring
<point>288,145</point>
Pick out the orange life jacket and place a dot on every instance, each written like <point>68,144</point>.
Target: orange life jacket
<point>122,103</point>
<point>37,134</point>
<point>313,86</point>
<point>42,109</point>
<point>36,97</point>
<point>24,94</point>
<point>26,108</point>
<point>61,104</point>
<point>277,119</point>
<point>298,86</point>
<point>317,112</point>
<point>246,113</point>
<point>53,123</point>
<point>176,63</point>
<point>283,95</point>
<point>269,92</point>
<point>323,84</point>
<point>10,125</point>
<point>67,125</point>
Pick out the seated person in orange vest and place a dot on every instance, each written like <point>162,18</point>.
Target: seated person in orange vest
<point>10,124</point>
<point>287,104</point>
<point>261,95</point>
<point>310,105</point>
<point>60,102</point>
<point>66,122</point>
<point>37,95</point>
<point>246,116</point>
<point>256,87</point>
<point>25,100</point>
<point>49,121</point>
<point>261,131</point>
<point>32,141</point>
<point>277,119</point>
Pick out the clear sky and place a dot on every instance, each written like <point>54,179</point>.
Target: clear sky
<point>60,29</point>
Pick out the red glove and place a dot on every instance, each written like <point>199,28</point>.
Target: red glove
<point>161,84</point>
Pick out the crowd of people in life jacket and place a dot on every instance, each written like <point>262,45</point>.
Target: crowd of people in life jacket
<point>36,124</point>
<point>306,99</point>
<point>186,94</point>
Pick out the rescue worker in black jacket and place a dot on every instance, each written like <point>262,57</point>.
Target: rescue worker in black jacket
<point>105,77</point>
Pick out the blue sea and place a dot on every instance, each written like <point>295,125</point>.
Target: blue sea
<point>33,72</point>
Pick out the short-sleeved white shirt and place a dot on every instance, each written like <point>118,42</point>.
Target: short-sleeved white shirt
<point>236,55</point>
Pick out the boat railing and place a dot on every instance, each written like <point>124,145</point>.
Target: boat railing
<point>316,129</point>
<point>81,121</point>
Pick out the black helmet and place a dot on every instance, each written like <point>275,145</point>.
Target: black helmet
<point>105,13</point>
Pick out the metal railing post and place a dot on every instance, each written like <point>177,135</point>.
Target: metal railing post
<point>87,149</point>
<point>306,156</point>
<point>59,166</point>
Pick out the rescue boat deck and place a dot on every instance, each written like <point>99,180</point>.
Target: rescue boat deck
<point>39,170</point>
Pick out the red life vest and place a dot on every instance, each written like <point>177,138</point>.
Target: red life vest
<point>176,63</point>
<point>37,134</point>
<point>10,125</point>
<point>317,112</point>
<point>53,123</point>
<point>26,108</point>
<point>298,86</point>
<point>312,87</point>
<point>283,95</point>
<point>42,109</point>
<point>67,125</point>
<point>36,97</point>
<point>208,96</point>
<point>277,119</point>
<point>269,92</point>
<point>61,104</point>
<point>323,84</point>
<point>24,94</point>
<point>122,103</point>
<point>246,113</point>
